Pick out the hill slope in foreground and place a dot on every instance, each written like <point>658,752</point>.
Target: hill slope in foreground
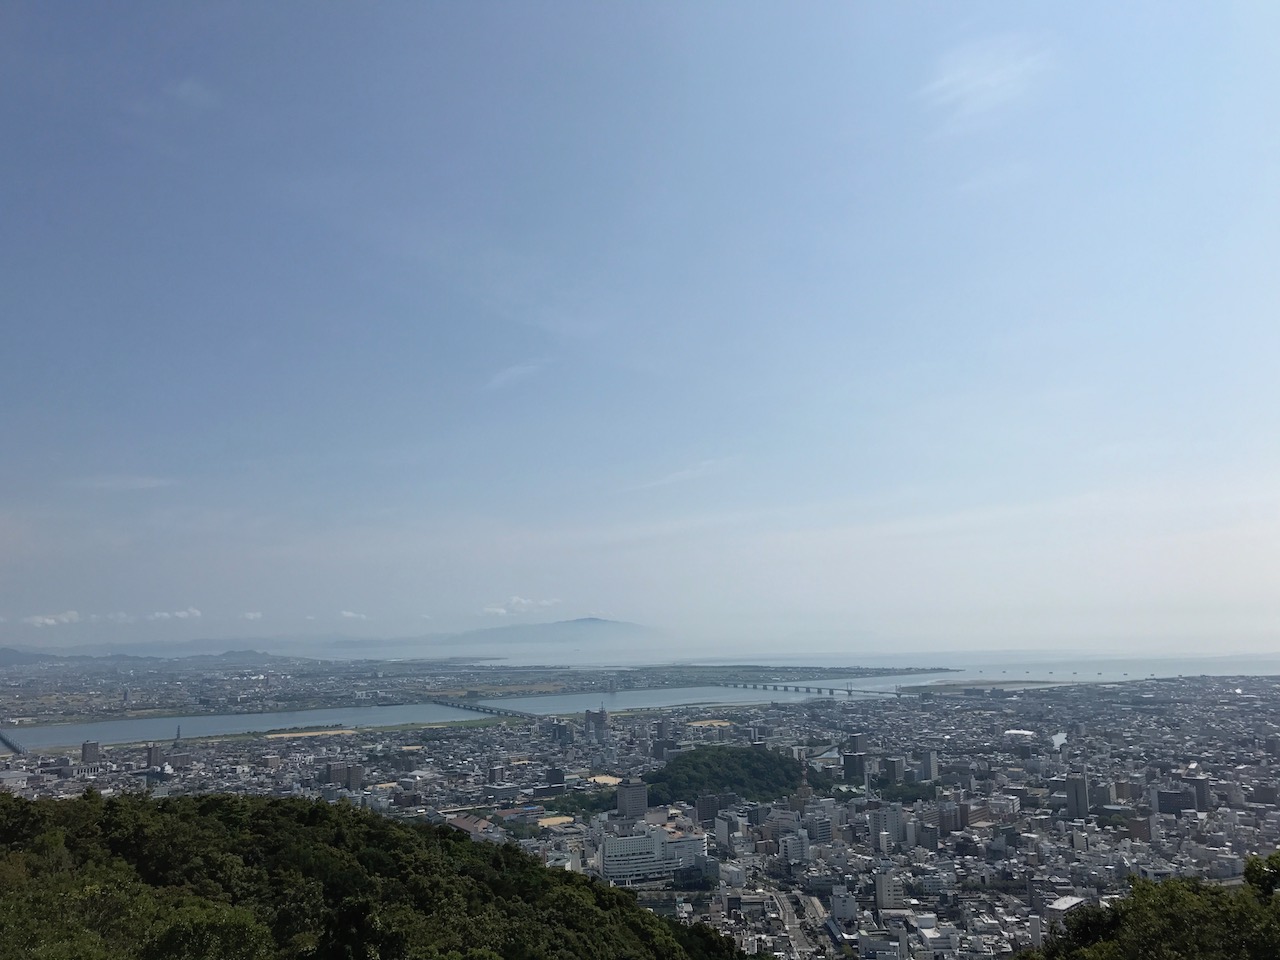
<point>1179,919</point>
<point>236,878</point>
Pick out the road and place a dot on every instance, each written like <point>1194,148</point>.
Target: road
<point>799,939</point>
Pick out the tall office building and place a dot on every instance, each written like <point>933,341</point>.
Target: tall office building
<point>155,755</point>
<point>355,777</point>
<point>1199,786</point>
<point>928,764</point>
<point>597,724</point>
<point>90,752</point>
<point>633,798</point>
<point>1077,797</point>
<point>888,820</point>
<point>895,768</point>
<point>890,891</point>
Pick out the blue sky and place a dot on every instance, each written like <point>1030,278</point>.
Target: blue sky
<point>848,326</point>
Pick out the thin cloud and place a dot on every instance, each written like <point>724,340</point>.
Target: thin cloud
<point>352,615</point>
<point>52,619</point>
<point>984,76</point>
<point>119,483</point>
<point>518,605</point>
<point>514,374</point>
<point>193,94</point>
<point>251,615</point>
<point>698,470</point>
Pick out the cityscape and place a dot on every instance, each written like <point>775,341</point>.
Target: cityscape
<point>936,820</point>
<point>643,481</point>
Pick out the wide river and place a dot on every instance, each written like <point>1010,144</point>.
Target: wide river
<point>1008,671</point>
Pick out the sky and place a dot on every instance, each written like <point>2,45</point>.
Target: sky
<point>854,327</point>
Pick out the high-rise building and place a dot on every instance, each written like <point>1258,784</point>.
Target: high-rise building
<point>155,755</point>
<point>709,804</point>
<point>355,777</point>
<point>929,765</point>
<point>858,743</point>
<point>895,768</point>
<point>597,724</point>
<point>854,767</point>
<point>650,853</point>
<point>90,752</point>
<point>1200,786</point>
<point>890,893</point>
<point>1077,797</point>
<point>888,820</point>
<point>633,798</point>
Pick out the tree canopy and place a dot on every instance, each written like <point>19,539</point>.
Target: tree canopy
<point>1178,919</point>
<point>750,773</point>
<point>236,878</point>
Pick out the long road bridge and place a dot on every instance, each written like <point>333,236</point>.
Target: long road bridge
<point>848,690</point>
<point>484,708</point>
<point>13,745</point>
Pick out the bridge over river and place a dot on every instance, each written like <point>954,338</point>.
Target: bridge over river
<point>848,690</point>
<point>13,745</point>
<point>485,708</point>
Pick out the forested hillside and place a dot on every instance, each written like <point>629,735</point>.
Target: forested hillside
<point>748,772</point>
<point>1179,919</point>
<point>235,878</point>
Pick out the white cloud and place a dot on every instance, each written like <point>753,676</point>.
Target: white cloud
<point>52,619</point>
<point>514,374</point>
<point>980,77</point>
<point>427,616</point>
<point>252,615</point>
<point>352,615</point>
<point>193,94</point>
<point>700,469</point>
<point>120,483</point>
<point>517,605</point>
<point>191,613</point>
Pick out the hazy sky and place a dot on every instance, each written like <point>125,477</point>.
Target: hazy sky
<point>883,326</point>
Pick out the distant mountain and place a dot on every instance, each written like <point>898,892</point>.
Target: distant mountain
<point>551,640</point>
<point>561,638</point>
<point>9,657</point>
<point>132,653</point>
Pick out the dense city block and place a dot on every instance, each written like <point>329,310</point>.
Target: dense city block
<point>962,822</point>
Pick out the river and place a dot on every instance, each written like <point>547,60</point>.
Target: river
<point>1004,670</point>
